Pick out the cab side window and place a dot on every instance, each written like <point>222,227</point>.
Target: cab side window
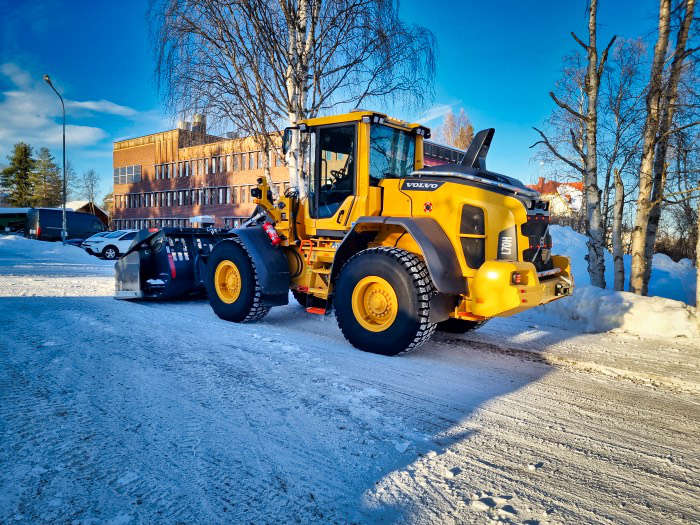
<point>334,177</point>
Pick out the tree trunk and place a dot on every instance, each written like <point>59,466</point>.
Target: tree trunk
<point>697,270</point>
<point>266,171</point>
<point>594,223</point>
<point>618,260</point>
<point>651,125</point>
<point>665,124</point>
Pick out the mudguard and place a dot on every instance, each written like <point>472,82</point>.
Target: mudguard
<point>438,253</point>
<point>270,263</point>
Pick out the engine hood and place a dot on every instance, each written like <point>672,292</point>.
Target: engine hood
<point>477,177</point>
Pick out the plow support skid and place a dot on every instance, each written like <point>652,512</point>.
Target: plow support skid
<point>165,264</point>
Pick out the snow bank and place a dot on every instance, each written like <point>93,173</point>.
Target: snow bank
<point>673,280</point>
<point>665,312</point>
<point>15,245</point>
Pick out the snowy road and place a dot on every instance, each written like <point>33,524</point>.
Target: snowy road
<point>140,412</point>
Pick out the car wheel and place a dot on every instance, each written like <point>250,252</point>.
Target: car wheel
<point>110,252</point>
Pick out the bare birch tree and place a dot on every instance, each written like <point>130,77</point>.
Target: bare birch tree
<point>263,64</point>
<point>589,155</point>
<point>620,112</point>
<point>668,111</point>
<point>618,259</point>
<point>697,269</point>
<point>457,131</point>
<point>88,185</point>
<point>659,96</point>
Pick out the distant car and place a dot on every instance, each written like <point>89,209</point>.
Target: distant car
<point>113,244</point>
<point>45,224</point>
<point>90,241</point>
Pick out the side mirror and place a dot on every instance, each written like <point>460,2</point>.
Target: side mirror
<point>286,140</point>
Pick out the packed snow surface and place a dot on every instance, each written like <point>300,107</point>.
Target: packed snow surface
<point>142,412</point>
<point>667,310</point>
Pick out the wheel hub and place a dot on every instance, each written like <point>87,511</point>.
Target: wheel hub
<point>374,303</point>
<point>227,281</point>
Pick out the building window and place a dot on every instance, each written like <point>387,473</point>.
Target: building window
<point>228,195</point>
<point>228,163</point>
<point>236,166</point>
<point>251,160</point>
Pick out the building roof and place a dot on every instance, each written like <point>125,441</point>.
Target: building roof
<point>546,187</point>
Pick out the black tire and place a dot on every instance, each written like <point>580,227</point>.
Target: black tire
<point>408,276</point>
<point>459,326</point>
<point>248,306</point>
<point>110,252</point>
<point>307,300</point>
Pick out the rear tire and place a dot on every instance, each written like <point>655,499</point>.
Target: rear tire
<point>110,252</point>
<point>459,326</point>
<point>382,301</point>
<point>232,284</point>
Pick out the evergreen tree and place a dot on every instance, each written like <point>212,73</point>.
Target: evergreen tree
<point>18,177</point>
<point>48,183</point>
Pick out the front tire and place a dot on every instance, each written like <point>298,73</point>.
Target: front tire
<point>110,253</point>
<point>232,284</point>
<point>382,301</point>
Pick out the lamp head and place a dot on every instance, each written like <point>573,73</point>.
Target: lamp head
<point>47,79</point>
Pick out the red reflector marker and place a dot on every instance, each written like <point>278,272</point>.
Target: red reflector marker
<point>172,265</point>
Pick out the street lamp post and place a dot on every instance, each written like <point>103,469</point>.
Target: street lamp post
<point>63,106</point>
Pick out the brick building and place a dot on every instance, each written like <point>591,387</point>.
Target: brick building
<point>185,177</point>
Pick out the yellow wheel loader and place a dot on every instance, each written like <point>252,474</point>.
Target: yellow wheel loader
<point>396,248</point>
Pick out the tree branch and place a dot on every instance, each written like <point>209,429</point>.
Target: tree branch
<point>549,145</point>
<point>568,108</point>
<point>604,58</point>
<point>584,46</point>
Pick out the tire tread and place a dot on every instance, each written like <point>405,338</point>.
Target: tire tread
<point>423,284</point>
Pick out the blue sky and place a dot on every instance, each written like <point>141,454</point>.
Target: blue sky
<point>497,60</point>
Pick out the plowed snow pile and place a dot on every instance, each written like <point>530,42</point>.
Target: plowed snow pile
<point>666,312</point>
<point>37,268</point>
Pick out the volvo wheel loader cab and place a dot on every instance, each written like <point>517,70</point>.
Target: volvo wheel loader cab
<point>394,247</point>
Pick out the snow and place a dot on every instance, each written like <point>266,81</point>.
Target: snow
<point>139,412</point>
<point>666,311</point>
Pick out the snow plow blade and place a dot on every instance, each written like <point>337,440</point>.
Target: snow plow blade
<point>165,264</point>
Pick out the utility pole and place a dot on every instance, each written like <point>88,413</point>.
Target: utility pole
<point>63,107</point>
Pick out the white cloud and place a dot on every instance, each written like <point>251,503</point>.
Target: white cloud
<point>102,106</point>
<point>434,113</point>
<point>30,112</point>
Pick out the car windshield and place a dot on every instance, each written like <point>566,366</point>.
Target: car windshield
<point>392,153</point>
<point>116,234</point>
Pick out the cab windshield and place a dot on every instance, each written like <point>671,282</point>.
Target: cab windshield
<point>392,153</point>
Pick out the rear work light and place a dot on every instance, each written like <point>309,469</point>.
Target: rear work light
<point>516,278</point>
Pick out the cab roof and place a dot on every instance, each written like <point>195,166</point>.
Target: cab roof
<point>365,116</point>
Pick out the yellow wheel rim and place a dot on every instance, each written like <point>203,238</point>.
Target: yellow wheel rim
<point>374,303</point>
<point>227,281</point>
